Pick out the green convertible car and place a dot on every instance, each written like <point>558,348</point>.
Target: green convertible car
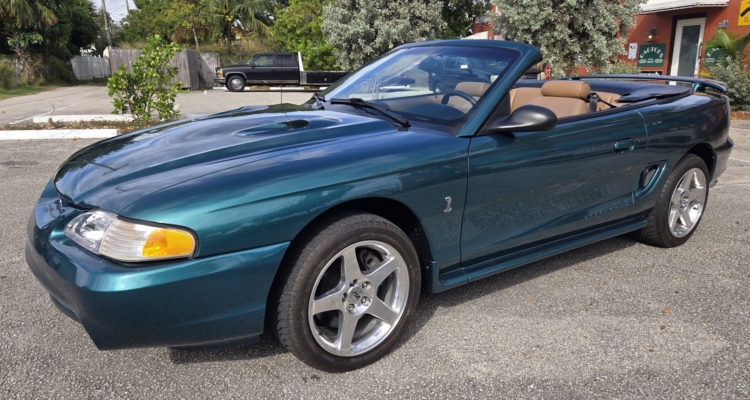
<point>322,223</point>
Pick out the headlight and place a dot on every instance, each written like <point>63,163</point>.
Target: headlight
<point>103,233</point>
<point>220,73</point>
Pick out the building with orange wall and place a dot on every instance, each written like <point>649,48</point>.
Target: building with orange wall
<point>670,35</point>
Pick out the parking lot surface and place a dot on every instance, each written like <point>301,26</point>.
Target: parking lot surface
<point>616,319</point>
<point>86,100</point>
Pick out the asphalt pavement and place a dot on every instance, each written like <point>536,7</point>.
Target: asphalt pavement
<point>87,100</point>
<point>616,319</point>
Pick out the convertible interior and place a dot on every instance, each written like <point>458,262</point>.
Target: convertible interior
<point>565,98</point>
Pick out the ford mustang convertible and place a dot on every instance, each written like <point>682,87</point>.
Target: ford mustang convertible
<point>321,223</point>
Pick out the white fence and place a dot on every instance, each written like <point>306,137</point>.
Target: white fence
<point>90,67</point>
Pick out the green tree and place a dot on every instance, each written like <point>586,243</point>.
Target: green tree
<point>193,21</point>
<point>361,30</point>
<point>247,16</point>
<point>729,45</point>
<point>150,18</point>
<point>207,20</point>
<point>18,18</point>
<point>150,87</point>
<point>458,14</point>
<point>41,43</point>
<point>23,13</point>
<point>298,27</point>
<point>569,33</point>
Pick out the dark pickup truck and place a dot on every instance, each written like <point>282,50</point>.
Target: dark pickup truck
<point>273,69</point>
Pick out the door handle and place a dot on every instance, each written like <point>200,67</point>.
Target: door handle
<point>624,145</point>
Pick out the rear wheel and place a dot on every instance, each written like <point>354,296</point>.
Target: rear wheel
<point>351,291</point>
<point>236,83</point>
<point>680,207</point>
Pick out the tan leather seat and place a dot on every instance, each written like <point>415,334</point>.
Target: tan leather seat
<point>610,98</point>
<point>473,89</point>
<point>522,96</point>
<point>564,98</point>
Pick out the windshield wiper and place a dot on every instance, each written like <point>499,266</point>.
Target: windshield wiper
<point>357,102</point>
<point>319,100</point>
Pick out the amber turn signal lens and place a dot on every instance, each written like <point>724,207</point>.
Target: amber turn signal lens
<point>168,243</point>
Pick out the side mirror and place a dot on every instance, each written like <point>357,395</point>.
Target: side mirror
<point>252,64</point>
<point>526,118</point>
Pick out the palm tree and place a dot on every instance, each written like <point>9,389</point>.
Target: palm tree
<point>728,44</point>
<point>250,16</point>
<point>25,12</point>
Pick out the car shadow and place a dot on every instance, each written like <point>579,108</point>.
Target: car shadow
<point>429,303</point>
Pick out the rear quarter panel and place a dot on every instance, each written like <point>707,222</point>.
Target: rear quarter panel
<point>675,127</point>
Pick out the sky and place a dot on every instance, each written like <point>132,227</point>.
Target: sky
<point>115,8</point>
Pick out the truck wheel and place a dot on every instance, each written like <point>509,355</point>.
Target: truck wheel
<point>236,83</point>
<point>352,288</point>
<point>439,88</point>
<point>680,206</point>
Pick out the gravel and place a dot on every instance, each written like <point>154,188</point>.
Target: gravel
<point>616,319</point>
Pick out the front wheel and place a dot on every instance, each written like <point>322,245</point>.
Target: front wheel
<point>352,289</point>
<point>236,83</point>
<point>680,206</point>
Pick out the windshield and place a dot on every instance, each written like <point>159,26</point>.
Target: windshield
<point>435,84</point>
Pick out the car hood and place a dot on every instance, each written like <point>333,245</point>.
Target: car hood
<point>234,66</point>
<point>116,172</point>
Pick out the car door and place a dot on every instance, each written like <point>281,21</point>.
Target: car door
<point>263,70</point>
<point>289,68</point>
<point>464,73</point>
<point>544,185</point>
<point>450,73</point>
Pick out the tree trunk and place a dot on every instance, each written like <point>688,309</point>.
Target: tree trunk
<point>195,36</point>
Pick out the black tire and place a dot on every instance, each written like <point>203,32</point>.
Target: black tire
<point>657,232</point>
<point>235,83</point>
<point>305,263</point>
<point>439,88</point>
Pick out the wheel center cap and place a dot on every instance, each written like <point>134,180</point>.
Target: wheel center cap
<point>355,295</point>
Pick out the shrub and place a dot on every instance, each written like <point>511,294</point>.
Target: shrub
<point>58,71</point>
<point>6,76</point>
<point>735,75</point>
<point>624,67</point>
<point>150,87</point>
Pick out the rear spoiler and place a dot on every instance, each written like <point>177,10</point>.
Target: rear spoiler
<point>699,84</point>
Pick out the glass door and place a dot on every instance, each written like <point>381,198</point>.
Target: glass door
<point>688,40</point>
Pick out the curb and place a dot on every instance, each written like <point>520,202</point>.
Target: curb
<point>80,118</point>
<point>58,134</point>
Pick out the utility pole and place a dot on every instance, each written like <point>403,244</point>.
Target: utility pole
<point>127,6</point>
<point>106,23</point>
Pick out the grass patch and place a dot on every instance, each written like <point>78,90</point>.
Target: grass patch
<point>121,126</point>
<point>23,90</point>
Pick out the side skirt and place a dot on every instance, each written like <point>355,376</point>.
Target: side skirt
<point>509,261</point>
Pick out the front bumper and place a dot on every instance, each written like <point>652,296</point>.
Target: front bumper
<point>179,303</point>
<point>221,81</point>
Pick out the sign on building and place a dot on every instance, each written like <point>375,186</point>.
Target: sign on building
<point>711,57</point>
<point>744,17</point>
<point>652,55</point>
<point>632,51</point>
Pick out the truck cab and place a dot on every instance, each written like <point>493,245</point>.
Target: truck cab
<point>262,69</point>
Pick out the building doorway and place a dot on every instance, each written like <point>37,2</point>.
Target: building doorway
<point>688,41</point>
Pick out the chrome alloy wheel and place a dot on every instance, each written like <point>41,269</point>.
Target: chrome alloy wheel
<point>688,200</point>
<point>236,83</point>
<point>358,298</point>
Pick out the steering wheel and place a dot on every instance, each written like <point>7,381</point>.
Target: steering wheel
<point>460,94</point>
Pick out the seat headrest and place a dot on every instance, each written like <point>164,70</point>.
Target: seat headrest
<point>577,90</point>
<point>475,89</point>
